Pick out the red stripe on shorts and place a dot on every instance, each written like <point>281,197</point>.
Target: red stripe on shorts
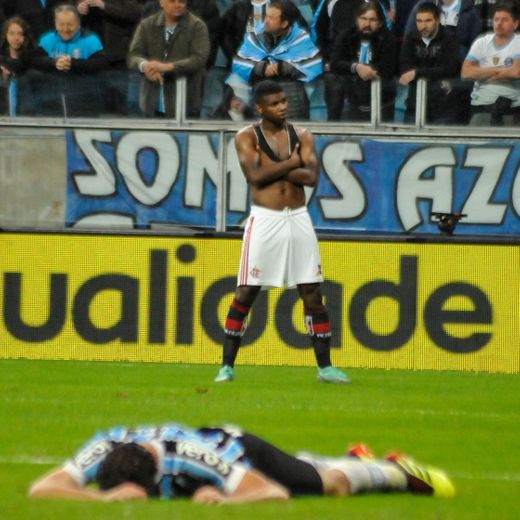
<point>245,258</point>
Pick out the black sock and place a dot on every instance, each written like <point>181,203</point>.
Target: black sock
<point>321,351</point>
<point>231,346</point>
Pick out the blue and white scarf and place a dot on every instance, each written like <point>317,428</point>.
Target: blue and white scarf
<point>296,48</point>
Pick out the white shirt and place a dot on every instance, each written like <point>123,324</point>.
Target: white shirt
<point>487,54</point>
<point>450,13</point>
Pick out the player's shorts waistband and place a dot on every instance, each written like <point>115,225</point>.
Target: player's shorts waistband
<point>261,210</point>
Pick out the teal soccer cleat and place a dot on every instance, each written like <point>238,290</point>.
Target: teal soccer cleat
<point>226,373</point>
<point>331,374</point>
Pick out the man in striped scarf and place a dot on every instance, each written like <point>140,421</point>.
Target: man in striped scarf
<point>280,50</point>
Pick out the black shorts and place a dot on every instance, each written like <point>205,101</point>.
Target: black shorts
<point>299,477</point>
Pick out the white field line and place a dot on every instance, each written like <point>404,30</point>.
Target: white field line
<point>33,461</point>
<point>37,461</point>
<point>400,411</point>
<point>512,414</point>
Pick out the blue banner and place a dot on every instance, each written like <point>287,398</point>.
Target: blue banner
<point>383,186</point>
<point>138,178</point>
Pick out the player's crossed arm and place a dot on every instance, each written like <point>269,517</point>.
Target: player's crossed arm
<point>259,174</point>
<point>306,174</point>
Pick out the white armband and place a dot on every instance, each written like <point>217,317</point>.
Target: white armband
<point>235,477</point>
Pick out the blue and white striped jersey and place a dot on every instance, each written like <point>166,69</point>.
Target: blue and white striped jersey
<point>187,458</point>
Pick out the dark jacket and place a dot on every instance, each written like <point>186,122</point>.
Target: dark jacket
<point>16,66</point>
<point>39,18</point>
<point>189,51</point>
<point>96,62</point>
<point>468,27</point>
<point>115,26</point>
<point>383,51</point>
<point>435,62</point>
<point>207,11</point>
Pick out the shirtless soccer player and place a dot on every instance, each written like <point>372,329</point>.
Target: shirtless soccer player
<point>280,246</point>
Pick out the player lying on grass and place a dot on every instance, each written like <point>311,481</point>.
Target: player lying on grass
<point>223,465</point>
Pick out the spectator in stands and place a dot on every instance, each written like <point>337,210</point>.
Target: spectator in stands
<point>39,14</point>
<point>241,18</point>
<point>463,20</point>
<point>73,57</point>
<point>279,50</point>
<point>15,55</point>
<point>458,16</point>
<point>493,63</point>
<point>16,46</point>
<point>430,52</point>
<point>69,49</point>
<point>168,45</point>
<point>114,21</point>
<point>232,108</point>
<point>361,54</point>
<point>207,11</point>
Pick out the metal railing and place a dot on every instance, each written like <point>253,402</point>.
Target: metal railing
<point>28,108</point>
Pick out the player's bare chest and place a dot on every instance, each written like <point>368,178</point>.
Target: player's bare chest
<point>275,146</point>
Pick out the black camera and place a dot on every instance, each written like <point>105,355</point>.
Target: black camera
<point>447,222</point>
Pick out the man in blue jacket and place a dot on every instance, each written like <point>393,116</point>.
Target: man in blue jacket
<point>68,48</point>
<point>68,60</point>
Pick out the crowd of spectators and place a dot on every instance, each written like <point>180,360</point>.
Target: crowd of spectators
<point>123,57</point>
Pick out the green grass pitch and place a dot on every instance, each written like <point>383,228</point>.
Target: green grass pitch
<point>466,423</point>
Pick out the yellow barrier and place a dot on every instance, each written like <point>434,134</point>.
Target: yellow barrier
<point>157,299</point>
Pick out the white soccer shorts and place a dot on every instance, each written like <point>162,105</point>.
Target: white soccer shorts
<point>279,248</point>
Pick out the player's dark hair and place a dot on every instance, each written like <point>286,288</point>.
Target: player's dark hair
<point>266,88</point>
<point>429,7</point>
<point>129,462</point>
<point>508,7</point>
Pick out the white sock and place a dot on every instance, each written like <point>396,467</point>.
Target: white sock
<point>365,475</point>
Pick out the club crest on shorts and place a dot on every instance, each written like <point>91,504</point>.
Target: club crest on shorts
<point>255,272</point>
